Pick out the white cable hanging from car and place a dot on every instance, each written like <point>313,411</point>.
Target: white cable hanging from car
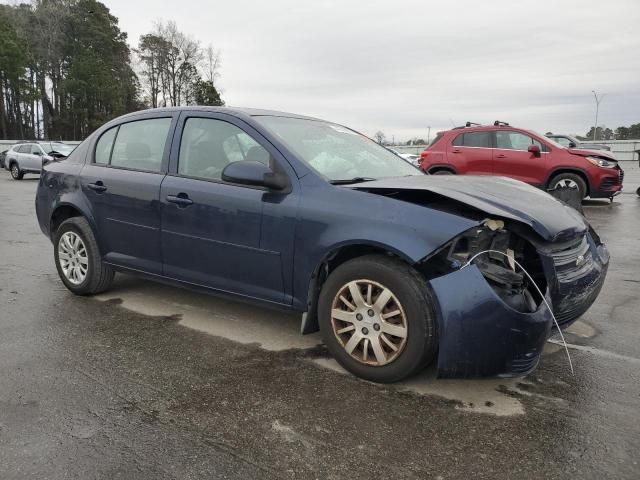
<point>510,259</point>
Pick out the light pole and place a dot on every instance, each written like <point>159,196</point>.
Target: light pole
<point>598,100</point>
<point>428,134</point>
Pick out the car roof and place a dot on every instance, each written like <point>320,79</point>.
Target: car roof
<point>237,111</point>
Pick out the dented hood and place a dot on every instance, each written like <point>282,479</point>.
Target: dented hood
<point>496,196</point>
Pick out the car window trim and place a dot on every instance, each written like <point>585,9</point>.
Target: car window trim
<point>164,164</point>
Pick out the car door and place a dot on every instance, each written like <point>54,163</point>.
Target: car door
<point>121,179</point>
<point>228,237</point>
<point>512,159</point>
<point>471,153</point>
<point>34,158</point>
<point>22,155</point>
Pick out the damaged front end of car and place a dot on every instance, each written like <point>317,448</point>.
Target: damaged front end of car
<point>489,283</point>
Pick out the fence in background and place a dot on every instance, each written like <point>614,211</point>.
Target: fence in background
<point>624,150</point>
<point>7,144</point>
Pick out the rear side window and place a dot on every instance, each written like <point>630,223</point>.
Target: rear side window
<point>104,146</point>
<point>209,145</point>
<point>473,139</point>
<point>140,145</point>
<point>436,139</point>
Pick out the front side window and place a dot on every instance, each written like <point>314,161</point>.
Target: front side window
<point>335,152</point>
<point>35,150</point>
<point>140,145</point>
<point>209,145</point>
<point>515,141</point>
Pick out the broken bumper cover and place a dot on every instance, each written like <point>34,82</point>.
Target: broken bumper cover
<point>480,335</point>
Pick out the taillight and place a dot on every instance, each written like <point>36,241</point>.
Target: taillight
<point>423,157</point>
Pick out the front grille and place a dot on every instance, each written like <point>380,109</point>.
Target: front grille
<point>572,261</point>
<point>525,364</point>
<point>569,312</point>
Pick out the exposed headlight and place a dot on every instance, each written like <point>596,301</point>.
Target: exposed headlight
<point>601,162</point>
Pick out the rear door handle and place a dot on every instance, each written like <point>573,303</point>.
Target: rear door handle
<point>98,186</point>
<point>182,200</point>
<point>501,156</point>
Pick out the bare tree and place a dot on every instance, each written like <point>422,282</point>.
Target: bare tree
<point>379,137</point>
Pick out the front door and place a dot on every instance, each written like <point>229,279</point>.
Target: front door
<point>121,180</point>
<point>221,235</point>
<point>511,158</point>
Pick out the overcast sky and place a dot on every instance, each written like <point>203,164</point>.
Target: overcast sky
<point>400,66</point>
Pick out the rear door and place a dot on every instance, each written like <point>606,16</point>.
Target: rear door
<point>232,238</point>
<point>511,158</point>
<point>121,179</point>
<point>34,158</point>
<point>471,153</point>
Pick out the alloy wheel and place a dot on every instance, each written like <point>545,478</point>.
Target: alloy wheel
<point>15,172</point>
<point>73,258</point>
<point>369,322</point>
<point>566,183</point>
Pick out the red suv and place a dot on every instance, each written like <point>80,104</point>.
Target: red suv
<point>500,149</point>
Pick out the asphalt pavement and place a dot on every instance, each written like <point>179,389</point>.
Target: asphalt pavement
<point>149,381</point>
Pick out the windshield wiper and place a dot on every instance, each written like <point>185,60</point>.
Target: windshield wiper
<point>348,181</point>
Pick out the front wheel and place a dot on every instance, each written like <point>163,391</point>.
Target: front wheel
<point>16,173</point>
<point>78,259</point>
<point>569,180</point>
<point>377,318</point>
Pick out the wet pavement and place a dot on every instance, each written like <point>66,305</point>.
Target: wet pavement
<point>151,381</point>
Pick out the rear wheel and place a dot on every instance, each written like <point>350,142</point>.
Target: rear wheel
<point>569,180</point>
<point>16,173</point>
<point>78,259</point>
<point>442,172</point>
<point>377,318</point>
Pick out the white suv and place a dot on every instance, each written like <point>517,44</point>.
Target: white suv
<point>28,157</point>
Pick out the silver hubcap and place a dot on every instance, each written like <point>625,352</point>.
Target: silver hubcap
<point>73,259</point>
<point>14,171</point>
<point>566,183</point>
<point>369,322</point>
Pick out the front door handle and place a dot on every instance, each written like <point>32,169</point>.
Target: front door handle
<point>457,150</point>
<point>98,187</point>
<point>182,200</point>
<point>501,156</point>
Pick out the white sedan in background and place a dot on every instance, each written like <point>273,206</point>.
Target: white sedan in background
<point>409,157</point>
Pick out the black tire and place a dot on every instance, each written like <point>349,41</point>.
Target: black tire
<point>569,177</point>
<point>16,173</point>
<point>413,293</point>
<point>443,172</point>
<point>99,276</point>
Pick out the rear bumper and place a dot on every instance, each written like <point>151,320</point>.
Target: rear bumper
<point>480,335</point>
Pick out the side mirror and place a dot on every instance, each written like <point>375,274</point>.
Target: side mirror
<point>572,145</point>
<point>253,173</point>
<point>535,149</point>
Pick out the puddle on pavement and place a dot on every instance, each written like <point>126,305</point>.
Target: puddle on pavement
<point>277,331</point>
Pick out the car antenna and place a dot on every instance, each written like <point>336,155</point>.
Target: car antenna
<point>452,122</point>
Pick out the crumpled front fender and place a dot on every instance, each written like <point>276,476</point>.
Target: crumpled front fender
<point>480,335</point>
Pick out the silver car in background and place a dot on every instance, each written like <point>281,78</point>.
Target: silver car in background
<point>28,157</point>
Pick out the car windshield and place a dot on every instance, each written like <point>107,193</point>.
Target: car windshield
<point>336,152</point>
<point>62,148</point>
<point>547,139</point>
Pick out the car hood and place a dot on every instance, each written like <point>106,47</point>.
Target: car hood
<point>585,153</point>
<point>498,196</point>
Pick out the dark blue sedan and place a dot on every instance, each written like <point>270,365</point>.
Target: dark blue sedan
<point>396,268</point>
